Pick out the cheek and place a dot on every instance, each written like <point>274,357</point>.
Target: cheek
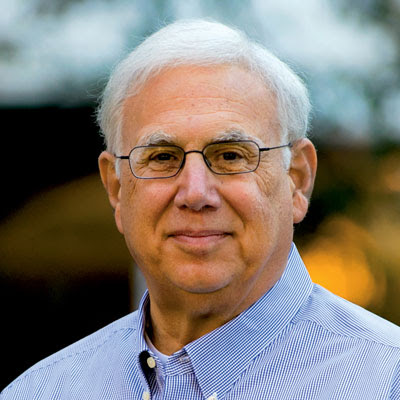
<point>143,204</point>
<point>252,204</point>
<point>275,184</point>
<point>131,205</point>
<point>264,204</point>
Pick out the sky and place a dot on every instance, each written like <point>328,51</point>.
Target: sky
<point>61,52</point>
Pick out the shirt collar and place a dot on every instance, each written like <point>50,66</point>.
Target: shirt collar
<point>219,357</point>
<point>141,345</point>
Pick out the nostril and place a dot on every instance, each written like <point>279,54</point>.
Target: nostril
<point>196,191</point>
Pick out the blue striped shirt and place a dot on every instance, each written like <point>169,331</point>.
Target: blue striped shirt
<point>298,341</point>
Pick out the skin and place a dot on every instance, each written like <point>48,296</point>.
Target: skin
<point>208,245</point>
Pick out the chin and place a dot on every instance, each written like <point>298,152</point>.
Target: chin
<point>201,290</point>
<point>203,286</point>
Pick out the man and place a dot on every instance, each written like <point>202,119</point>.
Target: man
<point>207,169</point>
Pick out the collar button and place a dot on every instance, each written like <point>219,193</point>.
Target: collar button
<point>146,396</point>
<point>151,362</point>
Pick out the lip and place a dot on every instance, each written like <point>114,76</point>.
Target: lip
<point>198,238</point>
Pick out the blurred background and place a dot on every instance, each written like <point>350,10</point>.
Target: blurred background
<point>64,269</point>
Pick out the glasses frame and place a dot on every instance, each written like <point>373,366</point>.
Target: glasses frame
<point>260,149</point>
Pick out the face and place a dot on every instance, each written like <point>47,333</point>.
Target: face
<point>198,232</point>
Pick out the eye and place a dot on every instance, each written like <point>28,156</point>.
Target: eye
<point>163,157</point>
<point>231,156</point>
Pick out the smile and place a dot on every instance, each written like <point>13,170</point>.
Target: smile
<point>198,238</point>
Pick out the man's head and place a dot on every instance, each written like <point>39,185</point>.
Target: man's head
<point>203,43</point>
<point>216,239</point>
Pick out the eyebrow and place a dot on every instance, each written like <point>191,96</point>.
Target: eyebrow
<point>236,135</point>
<point>232,135</point>
<point>156,138</point>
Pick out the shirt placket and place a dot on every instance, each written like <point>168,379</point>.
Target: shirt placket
<point>179,380</point>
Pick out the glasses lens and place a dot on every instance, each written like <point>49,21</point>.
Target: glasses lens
<point>155,161</point>
<point>232,157</point>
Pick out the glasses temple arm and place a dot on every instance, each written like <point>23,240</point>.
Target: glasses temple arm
<point>290,144</point>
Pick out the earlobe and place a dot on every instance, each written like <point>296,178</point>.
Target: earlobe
<point>111,184</point>
<point>302,173</point>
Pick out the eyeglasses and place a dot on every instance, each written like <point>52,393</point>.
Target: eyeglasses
<point>222,158</point>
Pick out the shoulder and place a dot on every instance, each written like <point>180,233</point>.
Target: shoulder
<point>343,318</point>
<point>95,349</point>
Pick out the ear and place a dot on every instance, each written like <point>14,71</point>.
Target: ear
<point>302,172</point>
<point>111,184</point>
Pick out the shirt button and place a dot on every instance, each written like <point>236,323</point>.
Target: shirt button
<point>151,362</point>
<point>213,397</point>
<point>184,358</point>
<point>146,396</point>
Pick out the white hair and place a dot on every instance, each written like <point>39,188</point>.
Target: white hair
<point>202,43</point>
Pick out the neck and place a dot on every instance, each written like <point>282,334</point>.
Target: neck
<point>177,317</point>
<point>176,320</point>
<point>171,328</point>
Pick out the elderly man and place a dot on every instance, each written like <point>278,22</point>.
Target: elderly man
<point>207,169</point>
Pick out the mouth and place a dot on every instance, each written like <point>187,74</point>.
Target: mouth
<point>198,238</point>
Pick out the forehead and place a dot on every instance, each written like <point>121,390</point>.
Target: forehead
<point>192,104</point>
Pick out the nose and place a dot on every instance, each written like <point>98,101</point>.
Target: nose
<point>197,185</point>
